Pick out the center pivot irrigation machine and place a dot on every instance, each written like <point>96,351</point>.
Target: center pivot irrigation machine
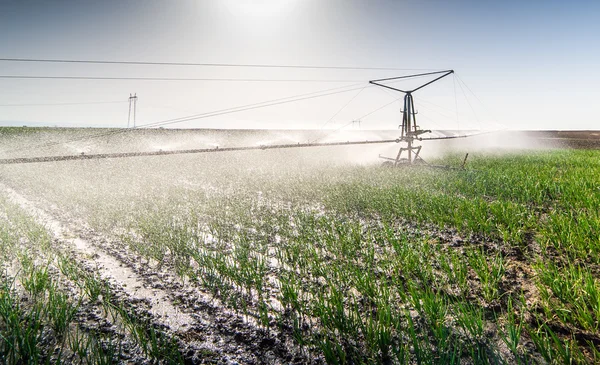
<point>409,135</point>
<point>410,131</point>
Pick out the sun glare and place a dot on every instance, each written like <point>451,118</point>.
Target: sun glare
<point>258,8</point>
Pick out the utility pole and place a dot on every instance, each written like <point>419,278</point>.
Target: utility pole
<point>132,101</point>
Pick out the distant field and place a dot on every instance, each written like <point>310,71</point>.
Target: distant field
<point>33,142</point>
<point>568,139</point>
<point>299,256</point>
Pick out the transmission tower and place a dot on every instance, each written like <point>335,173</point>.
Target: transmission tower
<point>132,102</point>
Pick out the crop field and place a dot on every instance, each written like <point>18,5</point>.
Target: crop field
<point>282,257</point>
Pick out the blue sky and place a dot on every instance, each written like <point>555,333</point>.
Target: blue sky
<point>529,64</point>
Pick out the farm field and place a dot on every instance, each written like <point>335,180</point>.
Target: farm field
<point>299,257</point>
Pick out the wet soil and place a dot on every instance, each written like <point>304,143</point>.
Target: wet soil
<point>206,330</point>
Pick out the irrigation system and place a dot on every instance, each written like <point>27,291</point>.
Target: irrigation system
<point>410,133</point>
<point>83,156</point>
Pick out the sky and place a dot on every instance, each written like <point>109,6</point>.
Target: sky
<point>528,65</point>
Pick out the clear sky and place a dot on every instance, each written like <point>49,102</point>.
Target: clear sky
<point>525,64</point>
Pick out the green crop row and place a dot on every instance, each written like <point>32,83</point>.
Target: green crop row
<point>363,264</point>
<point>40,316</point>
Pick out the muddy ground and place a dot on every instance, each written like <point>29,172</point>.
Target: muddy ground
<point>207,331</point>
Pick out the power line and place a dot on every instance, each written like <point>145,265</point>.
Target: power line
<point>360,118</point>
<point>239,109</point>
<point>476,97</point>
<point>456,101</point>
<point>206,79</point>
<point>150,63</point>
<point>61,104</point>
<point>469,103</point>
<point>342,108</point>
<point>63,77</point>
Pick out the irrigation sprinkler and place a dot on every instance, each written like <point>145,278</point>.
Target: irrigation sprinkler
<point>22,160</point>
<point>410,131</point>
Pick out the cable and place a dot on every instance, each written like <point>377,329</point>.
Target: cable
<point>431,120</point>
<point>42,77</point>
<point>448,116</point>
<point>480,102</point>
<point>342,108</point>
<point>378,109</point>
<point>206,115</point>
<point>413,76</point>
<point>360,118</point>
<point>60,104</point>
<point>388,92</point>
<point>456,101</point>
<point>421,100</point>
<point>469,102</point>
<point>208,64</point>
<point>420,104</point>
<point>472,93</point>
